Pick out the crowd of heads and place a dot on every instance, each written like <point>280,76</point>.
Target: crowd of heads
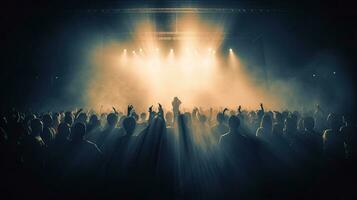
<point>174,154</point>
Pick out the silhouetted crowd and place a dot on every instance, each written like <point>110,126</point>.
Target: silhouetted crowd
<point>203,154</point>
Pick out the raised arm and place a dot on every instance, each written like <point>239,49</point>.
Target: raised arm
<point>115,110</point>
<point>77,113</point>
<point>130,109</point>
<point>161,111</point>
<point>261,107</point>
<point>239,109</point>
<point>151,114</point>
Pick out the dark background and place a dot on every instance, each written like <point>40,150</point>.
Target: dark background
<point>42,41</point>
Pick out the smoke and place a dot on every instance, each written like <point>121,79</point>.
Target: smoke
<point>146,69</point>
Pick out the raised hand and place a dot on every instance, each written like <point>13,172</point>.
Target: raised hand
<point>225,110</point>
<point>161,111</point>
<point>77,113</point>
<point>239,109</point>
<point>150,109</point>
<point>176,103</point>
<point>115,111</point>
<point>130,109</point>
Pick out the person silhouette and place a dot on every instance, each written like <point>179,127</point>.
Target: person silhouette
<point>121,160</point>
<point>59,149</point>
<point>241,159</point>
<point>109,131</point>
<point>348,133</point>
<point>83,156</point>
<point>264,132</point>
<point>48,133</point>
<point>333,143</point>
<point>68,118</point>
<point>93,124</point>
<point>34,148</point>
<point>312,141</point>
<point>220,128</point>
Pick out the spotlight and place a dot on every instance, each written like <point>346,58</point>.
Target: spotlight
<point>334,73</point>
<point>124,50</point>
<point>230,50</point>
<point>171,50</point>
<point>133,52</point>
<point>140,50</point>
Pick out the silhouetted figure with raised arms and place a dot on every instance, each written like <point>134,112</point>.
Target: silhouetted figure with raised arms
<point>264,132</point>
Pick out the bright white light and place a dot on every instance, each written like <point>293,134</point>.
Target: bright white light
<point>133,52</point>
<point>230,50</point>
<point>200,71</point>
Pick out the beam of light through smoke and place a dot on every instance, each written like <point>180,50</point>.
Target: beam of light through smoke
<point>145,70</point>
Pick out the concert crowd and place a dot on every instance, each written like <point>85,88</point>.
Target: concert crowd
<point>171,154</point>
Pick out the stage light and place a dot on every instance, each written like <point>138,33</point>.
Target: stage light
<point>140,50</point>
<point>230,50</point>
<point>171,50</point>
<point>133,52</point>
<point>334,73</point>
<point>124,50</point>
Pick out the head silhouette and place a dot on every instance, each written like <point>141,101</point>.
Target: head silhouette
<point>68,118</point>
<point>169,117</point>
<point>36,127</point>
<point>143,116</point>
<point>78,132</point>
<point>266,122</point>
<point>129,124</point>
<point>278,118</point>
<point>220,117</point>
<point>202,118</point>
<point>47,120</point>
<point>112,119</point>
<point>233,123</point>
<point>333,121</point>
<point>93,119</point>
<point>63,131</point>
<point>82,117</point>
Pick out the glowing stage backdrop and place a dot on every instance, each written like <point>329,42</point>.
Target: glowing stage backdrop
<point>188,55</point>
